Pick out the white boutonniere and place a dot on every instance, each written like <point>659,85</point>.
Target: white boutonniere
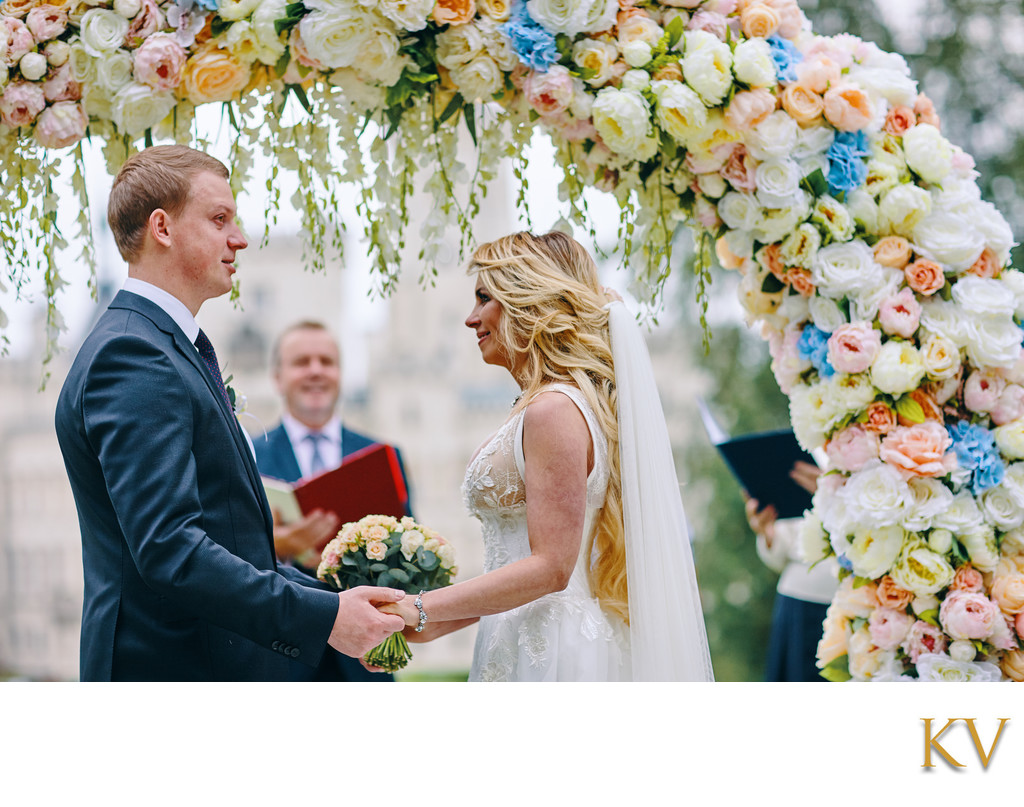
<point>238,401</point>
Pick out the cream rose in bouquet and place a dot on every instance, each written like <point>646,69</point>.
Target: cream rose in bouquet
<point>389,552</point>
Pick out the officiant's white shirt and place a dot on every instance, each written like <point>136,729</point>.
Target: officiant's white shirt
<point>330,447</point>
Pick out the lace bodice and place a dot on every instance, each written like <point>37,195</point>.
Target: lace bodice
<point>494,491</point>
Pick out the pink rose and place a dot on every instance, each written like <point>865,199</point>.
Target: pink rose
<point>987,265</point>
<point>889,627</point>
<point>61,125</point>
<point>900,314</point>
<point>923,638</point>
<point>881,419</point>
<point>1018,624</point>
<point>1002,637</point>
<point>800,279</point>
<point>61,86</point>
<point>853,347</point>
<point>46,22</point>
<point>710,21</point>
<point>982,390</point>
<point>786,362</point>
<point>749,107</point>
<point>919,450</point>
<point>924,276</point>
<point>890,595</point>
<point>851,448</point>
<point>575,130</point>
<point>847,107</point>
<point>549,93</point>
<point>899,120</point>
<point>1010,405</point>
<point>21,102</point>
<point>925,111</point>
<point>968,615</point>
<point>818,73</point>
<point>740,169</point>
<point>159,62</point>
<point>791,18</point>
<point>15,40</point>
<point>148,21</point>
<point>967,578</point>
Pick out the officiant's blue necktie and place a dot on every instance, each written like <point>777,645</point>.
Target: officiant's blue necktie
<point>316,462</point>
<point>209,357</point>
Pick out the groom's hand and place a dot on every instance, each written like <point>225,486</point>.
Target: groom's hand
<point>359,626</point>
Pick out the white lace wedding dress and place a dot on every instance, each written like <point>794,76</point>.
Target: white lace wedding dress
<point>563,636</point>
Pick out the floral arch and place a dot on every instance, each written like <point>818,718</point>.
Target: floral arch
<point>809,164</point>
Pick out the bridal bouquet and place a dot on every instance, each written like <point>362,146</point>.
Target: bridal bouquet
<point>386,551</point>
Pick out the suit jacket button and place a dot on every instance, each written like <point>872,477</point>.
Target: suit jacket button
<point>295,652</point>
<point>275,646</point>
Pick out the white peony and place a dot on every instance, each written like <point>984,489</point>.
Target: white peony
<point>980,543</point>
<point>380,58</point>
<point>864,209</point>
<point>940,667</point>
<point>622,118</point>
<point>739,211</point>
<point>920,570</point>
<point>636,80</point>
<point>949,239</point>
<point>778,182</point>
<point>903,207</point>
<point>882,177</point>
<point>800,246</point>
<point>707,66</point>
<point>271,43</point>
<point>599,56</point>
<point>826,313</point>
<point>931,497</point>
<point>236,9</point>
<point>478,79</point>
<point>928,153</point>
<point>776,223</point>
<point>897,368</point>
<point>1010,439</point>
<point>409,15</point>
<point>774,138</point>
<point>872,550</point>
<point>102,31</point>
<point>834,217</point>
<point>574,17</point>
<point>335,33</point>
<point>459,44</point>
<point>753,63</point>
<point>636,53</point>
<point>136,108</point>
<point>33,66</point>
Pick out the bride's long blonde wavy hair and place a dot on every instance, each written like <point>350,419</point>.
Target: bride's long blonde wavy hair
<point>554,328</point>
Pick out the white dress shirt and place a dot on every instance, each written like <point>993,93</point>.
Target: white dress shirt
<point>330,448</point>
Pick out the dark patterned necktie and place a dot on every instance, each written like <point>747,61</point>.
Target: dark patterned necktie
<point>209,357</point>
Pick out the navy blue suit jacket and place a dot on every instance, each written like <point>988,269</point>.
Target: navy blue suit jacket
<point>181,581</point>
<point>276,457</point>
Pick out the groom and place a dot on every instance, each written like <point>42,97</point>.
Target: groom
<point>177,545</point>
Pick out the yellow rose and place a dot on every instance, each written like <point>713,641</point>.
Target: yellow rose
<point>758,20</point>
<point>212,74</point>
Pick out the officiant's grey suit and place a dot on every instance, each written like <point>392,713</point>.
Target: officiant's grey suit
<point>181,581</point>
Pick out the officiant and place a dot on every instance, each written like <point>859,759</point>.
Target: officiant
<point>311,439</point>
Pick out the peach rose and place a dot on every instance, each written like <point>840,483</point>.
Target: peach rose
<point>818,73</point>
<point>924,276</point>
<point>853,347</point>
<point>758,20</point>
<point>967,578</point>
<point>800,279</point>
<point>726,257</point>
<point>925,111</point>
<point>848,108</point>
<point>740,169</point>
<point>212,74</point>
<point>900,314</point>
<point>881,418</point>
<point>893,251</point>
<point>376,550</point>
<point>919,450</point>
<point>669,72</point>
<point>890,595</point>
<point>18,8</point>
<point>987,265</point>
<point>749,107</point>
<point>636,25</point>
<point>1008,591</point>
<point>453,12</point>
<point>1012,665</point>
<point>803,104</point>
<point>968,615</point>
<point>771,260</point>
<point>1018,624</point>
<point>790,16</point>
<point>833,643</point>
<point>899,120</point>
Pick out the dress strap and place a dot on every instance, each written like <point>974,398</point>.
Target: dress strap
<point>577,398</point>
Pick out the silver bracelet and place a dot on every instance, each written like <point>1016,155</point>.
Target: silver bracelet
<point>418,602</point>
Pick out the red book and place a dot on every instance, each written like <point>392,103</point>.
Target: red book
<point>368,482</point>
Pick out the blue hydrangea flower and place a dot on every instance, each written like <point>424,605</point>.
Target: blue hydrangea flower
<point>785,56</point>
<point>813,346</point>
<point>534,45</point>
<point>845,562</point>
<point>846,168</point>
<point>976,451</point>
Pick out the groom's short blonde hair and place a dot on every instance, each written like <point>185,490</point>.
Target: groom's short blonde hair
<point>159,177</point>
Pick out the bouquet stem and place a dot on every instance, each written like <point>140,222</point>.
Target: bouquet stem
<point>390,655</point>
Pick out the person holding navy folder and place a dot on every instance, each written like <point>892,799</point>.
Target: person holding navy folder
<point>311,439</point>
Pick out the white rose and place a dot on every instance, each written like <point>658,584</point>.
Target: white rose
<point>497,45</point>
<point>893,84</point>
<point>707,66</point>
<point>800,246</point>
<point>927,152</point>
<point>636,80</point>
<point>446,554</point>
<point>948,239</point>
<point>994,230</point>
<point>411,541</point>
<point>622,118</point>
<point>957,196</point>
<point>1013,481</point>
<point>479,79</point>
<point>33,66</point>
<point>597,55</point>
<point>1002,508</point>
<point>678,109</point>
<point>826,313</point>
<point>811,414</point>
<point>992,341</point>
<point>114,71</point>
<point>897,368</point>
<point>271,43</point>
<point>636,53</point>
<point>921,571</point>
<point>136,108</point>
<point>379,57</point>
<point>813,142</point>
<point>842,269</point>
<point>1014,282</point>
<point>864,209</point>
<point>877,495</point>
<point>865,301</point>
<point>459,44</point>
<point>944,319</point>
<point>962,514</point>
<point>903,207</point>
<point>573,17</point>
<point>335,35</point>
<point>834,217</point>
<point>96,102</point>
<point>962,650</point>
<point>940,357</point>
<point>872,551</point>
<point>778,182</point>
<point>236,9</point>
<point>942,668</point>
<point>102,31</point>
<point>776,223</point>
<point>753,63</point>
<point>982,295</point>
<point>774,138</point>
<point>931,497</point>
<point>980,543</point>
<point>128,8</point>
<point>409,15</point>
<point>739,211</point>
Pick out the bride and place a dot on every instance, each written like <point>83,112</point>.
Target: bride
<point>588,572</point>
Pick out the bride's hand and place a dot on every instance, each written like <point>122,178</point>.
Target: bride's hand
<point>434,630</point>
<point>404,609</point>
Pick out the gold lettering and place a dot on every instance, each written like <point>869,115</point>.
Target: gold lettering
<point>977,740</point>
<point>930,742</point>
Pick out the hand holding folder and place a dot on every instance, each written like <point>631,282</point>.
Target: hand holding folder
<point>762,463</point>
<point>368,482</point>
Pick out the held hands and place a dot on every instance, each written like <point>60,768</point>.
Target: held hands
<point>431,630</point>
<point>359,626</point>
